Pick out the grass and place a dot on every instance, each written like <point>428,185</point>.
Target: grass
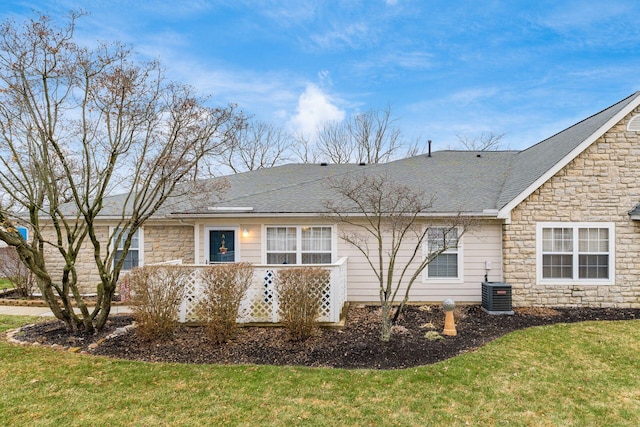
<point>5,283</point>
<point>562,375</point>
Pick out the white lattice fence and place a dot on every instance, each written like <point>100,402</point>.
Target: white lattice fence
<point>260,304</point>
<point>192,294</point>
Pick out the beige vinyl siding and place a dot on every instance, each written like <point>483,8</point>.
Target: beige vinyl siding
<point>481,244</point>
<point>252,248</point>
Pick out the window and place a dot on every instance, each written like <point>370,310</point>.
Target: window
<point>299,245</point>
<point>316,245</point>
<point>281,245</point>
<point>446,264</point>
<point>133,258</point>
<point>579,252</point>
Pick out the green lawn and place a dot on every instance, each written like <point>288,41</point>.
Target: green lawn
<point>578,375</point>
<point>5,283</point>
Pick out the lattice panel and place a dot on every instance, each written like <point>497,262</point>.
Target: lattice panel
<point>324,293</point>
<point>192,294</point>
<point>259,303</point>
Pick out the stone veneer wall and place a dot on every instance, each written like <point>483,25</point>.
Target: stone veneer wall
<point>600,185</point>
<point>161,243</point>
<point>168,242</point>
<point>88,276</point>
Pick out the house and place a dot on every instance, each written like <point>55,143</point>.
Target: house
<point>558,221</point>
<point>24,232</point>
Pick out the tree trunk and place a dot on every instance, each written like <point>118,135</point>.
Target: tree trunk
<point>104,304</point>
<point>399,309</point>
<point>386,322</point>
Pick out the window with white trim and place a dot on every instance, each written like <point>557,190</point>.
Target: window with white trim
<point>446,265</point>
<point>575,252</point>
<point>133,258</point>
<point>299,245</point>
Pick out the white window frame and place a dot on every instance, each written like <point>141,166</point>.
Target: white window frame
<point>298,251</point>
<point>140,248</point>
<point>575,280</point>
<point>459,251</point>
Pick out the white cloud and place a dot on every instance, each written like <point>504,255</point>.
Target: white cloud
<point>315,108</point>
<point>349,35</point>
<point>470,96</point>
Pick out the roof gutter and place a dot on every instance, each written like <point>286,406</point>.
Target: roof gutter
<point>487,213</point>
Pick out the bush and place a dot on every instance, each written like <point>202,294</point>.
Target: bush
<point>156,294</point>
<point>300,299</point>
<point>224,287</point>
<point>12,267</point>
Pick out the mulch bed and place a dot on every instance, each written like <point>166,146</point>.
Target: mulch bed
<point>357,345</point>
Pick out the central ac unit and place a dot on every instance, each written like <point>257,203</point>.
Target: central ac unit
<point>496,298</point>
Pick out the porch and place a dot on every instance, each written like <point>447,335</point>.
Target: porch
<point>260,303</point>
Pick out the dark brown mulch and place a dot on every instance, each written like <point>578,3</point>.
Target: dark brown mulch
<point>357,345</point>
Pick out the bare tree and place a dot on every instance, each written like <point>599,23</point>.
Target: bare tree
<point>486,141</point>
<point>369,137</point>
<point>77,124</point>
<point>335,145</point>
<point>383,222</point>
<point>374,135</point>
<point>415,148</point>
<point>18,274</point>
<point>304,150</point>
<point>258,145</point>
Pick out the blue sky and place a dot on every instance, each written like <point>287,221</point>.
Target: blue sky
<point>446,67</point>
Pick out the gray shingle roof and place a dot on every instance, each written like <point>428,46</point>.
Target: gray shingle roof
<point>532,163</point>
<point>462,181</point>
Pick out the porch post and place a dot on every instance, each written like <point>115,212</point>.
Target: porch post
<point>196,242</point>
<point>334,282</point>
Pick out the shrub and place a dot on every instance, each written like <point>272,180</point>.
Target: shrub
<point>156,293</point>
<point>300,298</point>
<point>433,336</point>
<point>224,287</point>
<point>12,267</point>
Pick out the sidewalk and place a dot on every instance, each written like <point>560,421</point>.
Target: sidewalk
<point>45,312</point>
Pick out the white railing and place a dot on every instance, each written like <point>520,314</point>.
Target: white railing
<point>260,303</point>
